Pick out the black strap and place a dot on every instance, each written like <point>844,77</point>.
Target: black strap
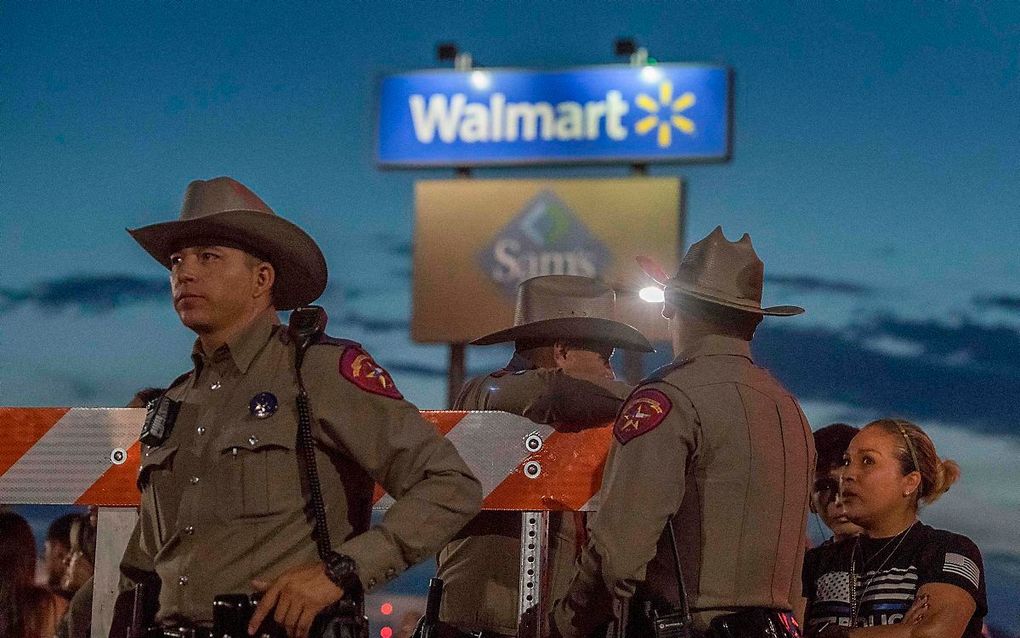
<point>681,590</point>
<point>306,325</point>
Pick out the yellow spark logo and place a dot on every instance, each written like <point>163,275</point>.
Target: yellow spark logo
<point>665,124</point>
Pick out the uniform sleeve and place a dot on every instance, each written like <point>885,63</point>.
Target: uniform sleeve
<point>955,561</point>
<point>435,492</point>
<point>642,486</point>
<point>549,395</point>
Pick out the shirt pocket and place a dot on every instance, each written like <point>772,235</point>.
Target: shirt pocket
<point>155,482</point>
<point>258,473</point>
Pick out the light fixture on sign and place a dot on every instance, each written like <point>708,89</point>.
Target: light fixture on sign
<point>481,80</point>
<point>650,74</point>
<point>652,294</point>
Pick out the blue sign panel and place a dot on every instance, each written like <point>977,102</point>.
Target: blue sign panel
<point>661,113</point>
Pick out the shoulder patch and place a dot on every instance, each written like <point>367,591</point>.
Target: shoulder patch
<point>644,410</point>
<point>358,367</point>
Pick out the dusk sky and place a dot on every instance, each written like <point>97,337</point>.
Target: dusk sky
<point>876,165</point>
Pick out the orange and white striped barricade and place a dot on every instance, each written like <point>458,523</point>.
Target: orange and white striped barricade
<point>90,456</point>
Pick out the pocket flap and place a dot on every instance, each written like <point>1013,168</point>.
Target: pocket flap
<point>257,438</point>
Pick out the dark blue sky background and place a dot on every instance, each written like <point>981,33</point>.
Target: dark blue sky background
<point>876,163</point>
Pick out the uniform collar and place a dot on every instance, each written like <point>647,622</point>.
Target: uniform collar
<point>519,363</point>
<point>715,345</point>
<point>240,349</point>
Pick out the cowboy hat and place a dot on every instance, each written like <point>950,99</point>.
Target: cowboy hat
<point>720,272</point>
<point>223,211</point>
<point>567,307</point>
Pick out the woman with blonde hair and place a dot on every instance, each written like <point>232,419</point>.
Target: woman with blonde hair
<point>900,577</point>
<point>26,610</point>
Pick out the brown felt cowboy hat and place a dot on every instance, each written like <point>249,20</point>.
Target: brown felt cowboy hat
<point>567,307</point>
<point>720,272</point>
<point>223,211</point>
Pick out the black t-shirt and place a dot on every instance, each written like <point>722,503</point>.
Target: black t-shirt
<point>889,573</point>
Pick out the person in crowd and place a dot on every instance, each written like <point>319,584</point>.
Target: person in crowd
<point>26,610</point>
<point>559,375</point>
<point>55,551</point>
<point>77,622</point>
<point>830,445</point>
<point>713,448</point>
<point>226,505</point>
<point>899,577</point>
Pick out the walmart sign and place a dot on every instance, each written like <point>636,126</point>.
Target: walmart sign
<point>483,117</point>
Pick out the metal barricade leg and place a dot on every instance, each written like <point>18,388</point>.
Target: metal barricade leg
<point>112,535</point>
<point>534,559</point>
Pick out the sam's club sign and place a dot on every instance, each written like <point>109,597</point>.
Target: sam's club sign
<point>659,113</point>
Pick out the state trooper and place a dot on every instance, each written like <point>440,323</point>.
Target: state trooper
<point>559,375</point>
<point>225,503</point>
<point>714,446</point>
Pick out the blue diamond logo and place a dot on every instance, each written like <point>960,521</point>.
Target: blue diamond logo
<point>545,238</point>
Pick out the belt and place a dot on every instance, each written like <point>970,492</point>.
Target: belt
<point>178,632</point>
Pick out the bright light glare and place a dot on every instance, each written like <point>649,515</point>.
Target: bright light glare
<point>652,294</point>
<point>481,80</point>
<point>386,632</point>
<point>386,609</point>
<point>651,74</point>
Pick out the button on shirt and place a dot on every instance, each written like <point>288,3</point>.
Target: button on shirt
<point>221,498</point>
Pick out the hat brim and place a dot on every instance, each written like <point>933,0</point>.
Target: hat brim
<point>300,267</point>
<point>772,311</point>
<point>595,329</point>
<point>659,276</point>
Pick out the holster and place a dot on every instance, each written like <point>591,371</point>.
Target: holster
<point>232,612</point>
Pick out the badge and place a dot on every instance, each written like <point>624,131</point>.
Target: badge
<point>160,416</point>
<point>643,412</point>
<point>263,405</point>
<point>358,367</point>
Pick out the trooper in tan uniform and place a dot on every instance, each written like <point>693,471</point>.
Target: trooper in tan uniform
<point>559,375</point>
<point>718,444</point>
<point>223,508</point>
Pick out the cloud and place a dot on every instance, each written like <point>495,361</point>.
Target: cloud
<point>90,293</point>
<point>395,246</point>
<point>376,324</point>
<point>997,302</point>
<point>407,367</point>
<point>966,373</point>
<point>810,283</point>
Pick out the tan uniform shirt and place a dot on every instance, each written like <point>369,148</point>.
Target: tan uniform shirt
<point>481,567</point>
<point>719,442</point>
<point>222,502</point>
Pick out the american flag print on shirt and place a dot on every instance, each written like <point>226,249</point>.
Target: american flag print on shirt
<point>962,566</point>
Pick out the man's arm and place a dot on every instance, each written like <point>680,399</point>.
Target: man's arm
<point>435,492</point>
<point>642,487</point>
<point>549,395</point>
<point>362,413</point>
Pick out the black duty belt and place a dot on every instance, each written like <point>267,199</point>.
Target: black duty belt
<point>178,632</point>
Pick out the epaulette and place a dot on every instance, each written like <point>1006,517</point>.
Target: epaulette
<point>178,380</point>
<point>661,373</point>
<point>325,339</point>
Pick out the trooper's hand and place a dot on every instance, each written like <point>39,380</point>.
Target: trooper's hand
<point>297,595</point>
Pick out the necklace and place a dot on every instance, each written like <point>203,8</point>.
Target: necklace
<point>856,598</point>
